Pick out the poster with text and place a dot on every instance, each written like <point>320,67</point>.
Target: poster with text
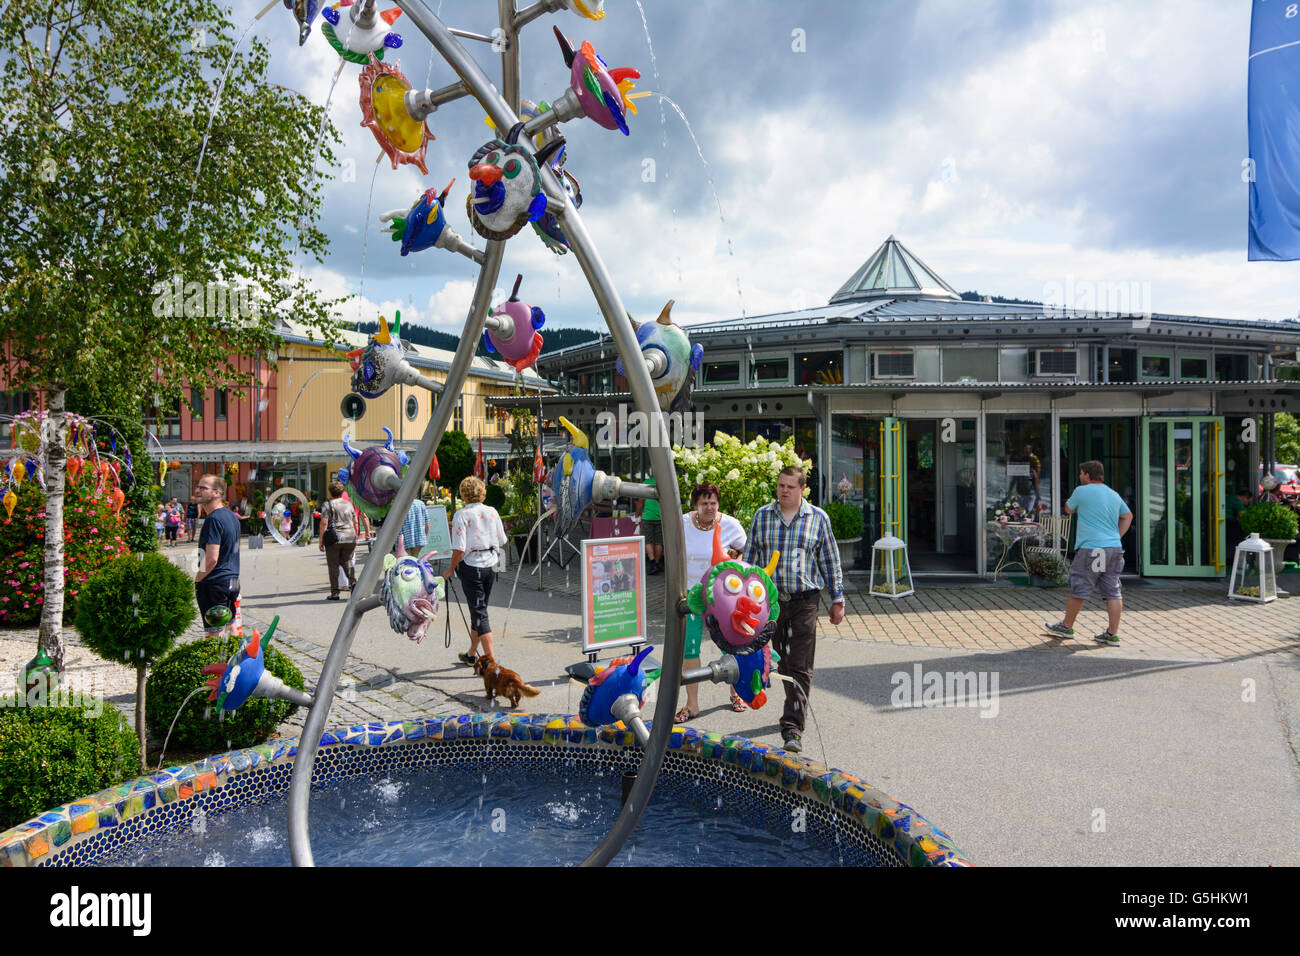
<point>613,592</point>
<point>439,543</point>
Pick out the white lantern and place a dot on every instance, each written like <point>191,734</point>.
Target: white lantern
<point>1254,573</point>
<point>891,573</point>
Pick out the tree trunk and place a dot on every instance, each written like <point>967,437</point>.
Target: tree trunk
<point>140,671</point>
<point>56,461</point>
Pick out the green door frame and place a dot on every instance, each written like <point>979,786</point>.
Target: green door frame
<point>893,478</point>
<point>1201,484</point>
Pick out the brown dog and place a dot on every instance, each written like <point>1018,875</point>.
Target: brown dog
<point>500,682</point>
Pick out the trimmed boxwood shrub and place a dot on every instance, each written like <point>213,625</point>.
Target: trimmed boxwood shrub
<point>133,610</point>
<point>180,672</point>
<point>1271,519</point>
<point>54,755</point>
<point>846,520</point>
<point>495,497</point>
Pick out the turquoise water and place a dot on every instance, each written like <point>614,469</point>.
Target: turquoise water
<point>459,816</point>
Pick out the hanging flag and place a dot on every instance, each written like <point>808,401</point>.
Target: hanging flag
<point>539,466</point>
<point>480,472</point>
<point>1273,130</point>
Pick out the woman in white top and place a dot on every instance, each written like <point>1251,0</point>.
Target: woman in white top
<point>698,525</point>
<point>477,537</point>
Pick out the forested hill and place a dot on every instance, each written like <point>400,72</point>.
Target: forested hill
<point>553,339</point>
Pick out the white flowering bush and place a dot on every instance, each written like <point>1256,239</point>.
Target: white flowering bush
<point>745,472</point>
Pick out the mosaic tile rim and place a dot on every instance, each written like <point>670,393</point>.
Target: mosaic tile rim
<point>46,838</point>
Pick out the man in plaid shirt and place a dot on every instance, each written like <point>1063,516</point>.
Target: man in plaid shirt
<point>415,528</point>
<point>809,561</point>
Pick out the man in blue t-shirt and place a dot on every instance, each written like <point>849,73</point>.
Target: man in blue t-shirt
<point>1103,520</point>
<point>216,585</point>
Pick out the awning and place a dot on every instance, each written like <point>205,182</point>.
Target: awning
<point>288,452</point>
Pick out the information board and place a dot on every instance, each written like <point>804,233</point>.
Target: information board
<point>439,543</point>
<point>613,592</point>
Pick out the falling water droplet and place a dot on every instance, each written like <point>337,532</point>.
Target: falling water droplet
<point>719,803</point>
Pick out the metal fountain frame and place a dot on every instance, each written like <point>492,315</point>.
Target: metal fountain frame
<point>503,107</point>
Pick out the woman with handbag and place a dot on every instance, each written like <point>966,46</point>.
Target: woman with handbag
<point>338,538</point>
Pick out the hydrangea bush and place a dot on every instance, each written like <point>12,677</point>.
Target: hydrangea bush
<point>745,472</point>
<point>93,535</point>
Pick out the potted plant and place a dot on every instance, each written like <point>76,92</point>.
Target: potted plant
<point>1272,521</point>
<point>1047,570</point>
<point>847,525</point>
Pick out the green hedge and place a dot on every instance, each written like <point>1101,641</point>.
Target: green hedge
<point>180,672</point>
<point>54,755</point>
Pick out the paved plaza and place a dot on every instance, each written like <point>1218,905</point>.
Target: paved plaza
<point>1078,754</point>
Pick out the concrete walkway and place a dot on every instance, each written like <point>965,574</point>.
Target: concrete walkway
<point>1074,753</point>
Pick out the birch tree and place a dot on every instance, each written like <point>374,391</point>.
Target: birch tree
<point>105,216</point>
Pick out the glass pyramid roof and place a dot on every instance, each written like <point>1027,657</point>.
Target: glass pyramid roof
<point>893,272</point>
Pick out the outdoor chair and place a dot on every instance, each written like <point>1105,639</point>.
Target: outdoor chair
<point>1054,539</point>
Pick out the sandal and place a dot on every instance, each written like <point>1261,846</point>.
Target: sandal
<point>683,715</point>
<point>738,705</point>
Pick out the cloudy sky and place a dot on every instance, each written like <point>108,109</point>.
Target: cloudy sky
<point>1013,147</point>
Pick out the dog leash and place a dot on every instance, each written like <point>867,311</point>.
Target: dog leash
<point>451,589</point>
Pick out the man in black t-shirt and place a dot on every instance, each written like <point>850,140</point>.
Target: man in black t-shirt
<point>216,585</point>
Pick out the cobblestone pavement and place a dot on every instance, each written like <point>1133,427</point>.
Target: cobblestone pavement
<point>367,693</point>
<point>1172,620</point>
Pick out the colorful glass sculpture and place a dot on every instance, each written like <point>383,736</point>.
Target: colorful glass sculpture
<point>737,601</point>
<point>604,94</point>
<point>512,331</point>
<point>381,364</point>
<point>357,43</point>
<point>383,109</point>
<point>304,11</point>
<point>670,358</point>
<point>424,224</point>
<point>624,676</point>
<point>374,476</point>
<point>572,479</point>
<point>245,676</point>
<point>411,592</point>
<point>507,192</point>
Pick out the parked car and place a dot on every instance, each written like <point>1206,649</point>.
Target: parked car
<point>1288,480</point>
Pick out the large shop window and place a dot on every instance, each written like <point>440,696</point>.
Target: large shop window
<point>1018,469</point>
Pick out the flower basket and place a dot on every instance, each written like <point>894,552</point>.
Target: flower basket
<point>1047,570</point>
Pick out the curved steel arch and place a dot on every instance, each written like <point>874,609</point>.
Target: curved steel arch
<point>504,114</point>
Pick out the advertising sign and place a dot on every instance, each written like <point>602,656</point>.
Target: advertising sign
<point>439,543</point>
<point>613,592</point>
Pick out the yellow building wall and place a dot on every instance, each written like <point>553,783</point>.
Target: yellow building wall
<point>312,382</point>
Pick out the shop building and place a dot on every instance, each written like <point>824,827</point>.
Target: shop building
<point>934,410</point>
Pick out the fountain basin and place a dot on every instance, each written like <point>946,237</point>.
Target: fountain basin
<point>763,784</point>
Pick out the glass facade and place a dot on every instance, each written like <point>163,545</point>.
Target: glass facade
<point>1018,471</point>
